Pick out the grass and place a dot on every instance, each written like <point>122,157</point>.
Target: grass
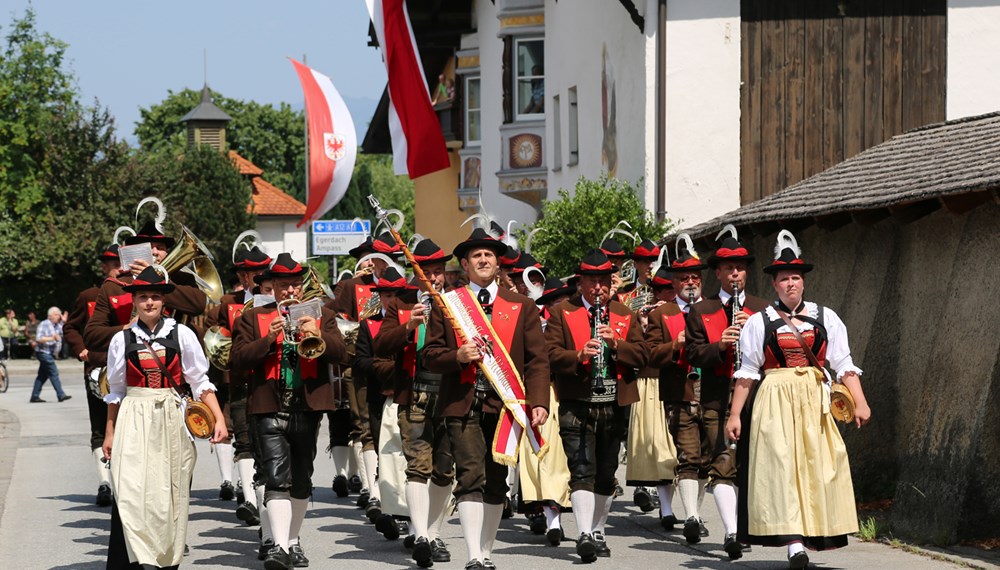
<point>868,529</point>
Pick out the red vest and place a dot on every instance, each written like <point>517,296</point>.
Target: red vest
<point>272,364</point>
<point>234,312</point>
<point>578,322</point>
<point>149,375</point>
<point>715,324</point>
<point>122,307</point>
<point>792,351</point>
<point>676,325</point>
<point>362,293</point>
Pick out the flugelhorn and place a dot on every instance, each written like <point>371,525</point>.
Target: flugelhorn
<point>307,346</point>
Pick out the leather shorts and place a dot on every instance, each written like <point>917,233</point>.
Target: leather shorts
<point>286,442</point>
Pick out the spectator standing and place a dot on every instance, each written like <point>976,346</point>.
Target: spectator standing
<point>8,330</point>
<point>31,329</point>
<point>48,344</point>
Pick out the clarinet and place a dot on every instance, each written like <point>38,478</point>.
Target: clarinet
<point>737,353</point>
<point>598,364</point>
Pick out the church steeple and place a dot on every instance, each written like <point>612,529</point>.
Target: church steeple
<point>206,123</point>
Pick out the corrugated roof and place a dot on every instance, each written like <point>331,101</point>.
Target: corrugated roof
<point>206,110</point>
<point>932,163</point>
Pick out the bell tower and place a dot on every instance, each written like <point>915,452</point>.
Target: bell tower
<point>206,123</point>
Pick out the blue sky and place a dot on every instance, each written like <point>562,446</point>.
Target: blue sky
<point>127,54</point>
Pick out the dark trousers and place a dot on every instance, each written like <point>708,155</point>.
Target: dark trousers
<point>700,438</point>
<point>592,434</point>
<point>374,420</point>
<point>478,476</point>
<point>425,442</point>
<point>47,370</point>
<point>242,447</point>
<point>340,426</point>
<point>287,448</point>
<point>97,410</point>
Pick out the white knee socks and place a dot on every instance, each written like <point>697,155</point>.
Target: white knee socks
<point>356,463</point>
<point>299,507</point>
<point>280,513</point>
<point>371,470</point>
<point>439,497</point>
<point>491,522</point>
<point>419,500</point>
<point>583,510</point>
<point>551,518</point>
<point>794,548</point>
<point>725,500</point>
<point>224,453</point>
<point>666,493</point>
<point>103,473</point>
<point>602,506</point>
<point>688,488</point>
<point>245,469</point>
<point>702,486</point>
<point>470,514</point>
<point>341,457</point>
<point>265,521</point>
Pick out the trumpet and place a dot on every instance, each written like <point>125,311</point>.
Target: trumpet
<point>307,346</point>
<point>598,364</point>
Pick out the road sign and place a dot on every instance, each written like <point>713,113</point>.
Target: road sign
<point>337,237</point>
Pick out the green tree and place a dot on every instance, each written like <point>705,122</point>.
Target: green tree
<point>270,137</point>
<point>573,225</point>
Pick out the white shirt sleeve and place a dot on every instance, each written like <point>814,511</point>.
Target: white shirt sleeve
<point>194,362</point>
<point>752,347</point>
<point>838,350</point>
<point>116,369</point>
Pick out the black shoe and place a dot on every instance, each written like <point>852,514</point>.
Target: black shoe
<point>602,545</point>
<point>64,397</point>
<point>340,485</point>
<point>422,553</point>
<point>537,524</point>
<point>641,499</point>
<point>363,498</point>
<point>555,536</point>
<point>247,512</point>
<point>187,550</point>
<point>692,530</point>
<point>732,547</point>
<point>354,484</point>
<point>586,549</point>
<point>798,561</point>
<point>264,548</point>
<point>474,565</point>
<point>298,556</point>
<point>488,564</point>
<point>702,529</point>
<point>37,401</point>
<point>386,525</point>
<point>240,497</point>
<point>668,522</point>
<point>508,509</point>
<point>226,491</point>
<point>439,551</point>
<point>746,547</point>
<point>277,559</point>
<point>104,496</point>
<point>374,509</point>
<point>618,489</point>
<point>409,541</point>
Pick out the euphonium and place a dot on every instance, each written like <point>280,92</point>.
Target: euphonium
<point>308,347</point>
<point>218,344</point>
<point>190,255</point>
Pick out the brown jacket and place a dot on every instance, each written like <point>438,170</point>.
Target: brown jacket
<point>704,349</point>
<point>73,330</point>
<point>251,349</point>
<point>665,354</point>
<point>572,379</point>
<point>345,296</point>
<point>185,299</point>
<point>527,352</point>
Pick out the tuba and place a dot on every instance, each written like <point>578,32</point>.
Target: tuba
<point>218,342</point>
<point>191,256</point>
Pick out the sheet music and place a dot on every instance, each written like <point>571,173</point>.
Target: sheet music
<point>130,253</point>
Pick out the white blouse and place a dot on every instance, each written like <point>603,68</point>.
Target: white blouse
<point>194,364</point>
<point>838,351</point>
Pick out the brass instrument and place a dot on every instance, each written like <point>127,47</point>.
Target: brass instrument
<point>643,296</point>
<point>218,344</point>
<point>97,382</point>
<point>349,330</point>
<point>627,271</point>
<point>598,364</point>
<point>191,256</point>
<point>308,347</point>
<point>372,307</point>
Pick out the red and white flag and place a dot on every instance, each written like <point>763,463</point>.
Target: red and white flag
<point>418,146</point>
<point>333,143</point>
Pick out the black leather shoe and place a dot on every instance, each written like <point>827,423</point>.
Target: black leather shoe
<point>363,498</point>
<point>488,564</point>
<point>340,485</point>
<point>798,561</point>
<point>386,525</point>
<point>508,509</point>
<point>537,524</point>
<point>474,565</point>
<point>374,509</point>
<point>354,484</point>
<point>422,553</point>
<point>104,496</point>
<point>240,497</point>
<point>226,491</point>
<point>65,397</point>
<point>554,536</point>
<point>277,559</point>
<point>298,556</point>
<point>37,401</point>
<point>702,529</point>
<point>668,522</point>
<point>409,541</point>
<point>642,499</point>
<point>732,547</point>
<point>586,549</point>
<point>601,545</point>
<point>439,551</point>
<point>692,530</point>
<point>247,512</point>
<point>264,548</point>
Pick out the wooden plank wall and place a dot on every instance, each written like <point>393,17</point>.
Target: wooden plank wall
<point>824,80</point>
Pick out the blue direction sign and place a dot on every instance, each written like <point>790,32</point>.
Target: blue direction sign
<point>337,237</point>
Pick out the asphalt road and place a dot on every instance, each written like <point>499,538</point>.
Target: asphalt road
<point>48,518</point>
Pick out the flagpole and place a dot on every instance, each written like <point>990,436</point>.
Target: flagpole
<point>305,135</point>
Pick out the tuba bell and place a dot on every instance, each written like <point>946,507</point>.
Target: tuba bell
<point>218,344</point>
<point>191,256</point>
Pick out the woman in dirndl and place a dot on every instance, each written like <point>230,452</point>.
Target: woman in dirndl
<point>152,455</point>
<point>793,468</point>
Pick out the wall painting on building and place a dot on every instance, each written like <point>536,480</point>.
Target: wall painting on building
<point>609,144</point>
<point>525,151</point>
<point>470,172</point>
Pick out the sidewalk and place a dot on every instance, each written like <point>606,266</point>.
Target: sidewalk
<point>48,519</point>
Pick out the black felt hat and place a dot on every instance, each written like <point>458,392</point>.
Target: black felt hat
<point>686,258</point>
<point>525,261</point>
<point>596,263</point>
<point>613,249</point>
<point>787,255</point>
<point>391,281</point>
<point>509,258</point>
<point>110,253</point>
<point>663,278</point>
<point>252,260</point>
<point>426,251</point>
<point>386,243</point>
<point>553,289</point>
<point>480,239</point>
<point>362,249</point>
<point>283,266</point>
<point>148,234</point>
<point>150,279</point>
<point>729,248</point>
<point>646,251</point>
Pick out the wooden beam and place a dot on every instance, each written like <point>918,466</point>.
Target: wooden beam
<point>913,211</point>
<point>833,221</point>
<point>870,217</point>
<point>962,203</point>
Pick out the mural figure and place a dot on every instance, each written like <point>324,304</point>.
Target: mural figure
<point>609,145</point>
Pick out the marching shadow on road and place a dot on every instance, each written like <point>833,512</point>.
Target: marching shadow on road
<point>96,565</point>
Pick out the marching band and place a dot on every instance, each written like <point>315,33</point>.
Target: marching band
<point>510,391</point>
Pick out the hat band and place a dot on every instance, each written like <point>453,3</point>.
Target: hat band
<point>282,269</point>
<point>690,262</point>
<point>726,252</point>
<point>439,254</point>
<point>643,252</point>
<point>796,261</point>
<point>606,266</point>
